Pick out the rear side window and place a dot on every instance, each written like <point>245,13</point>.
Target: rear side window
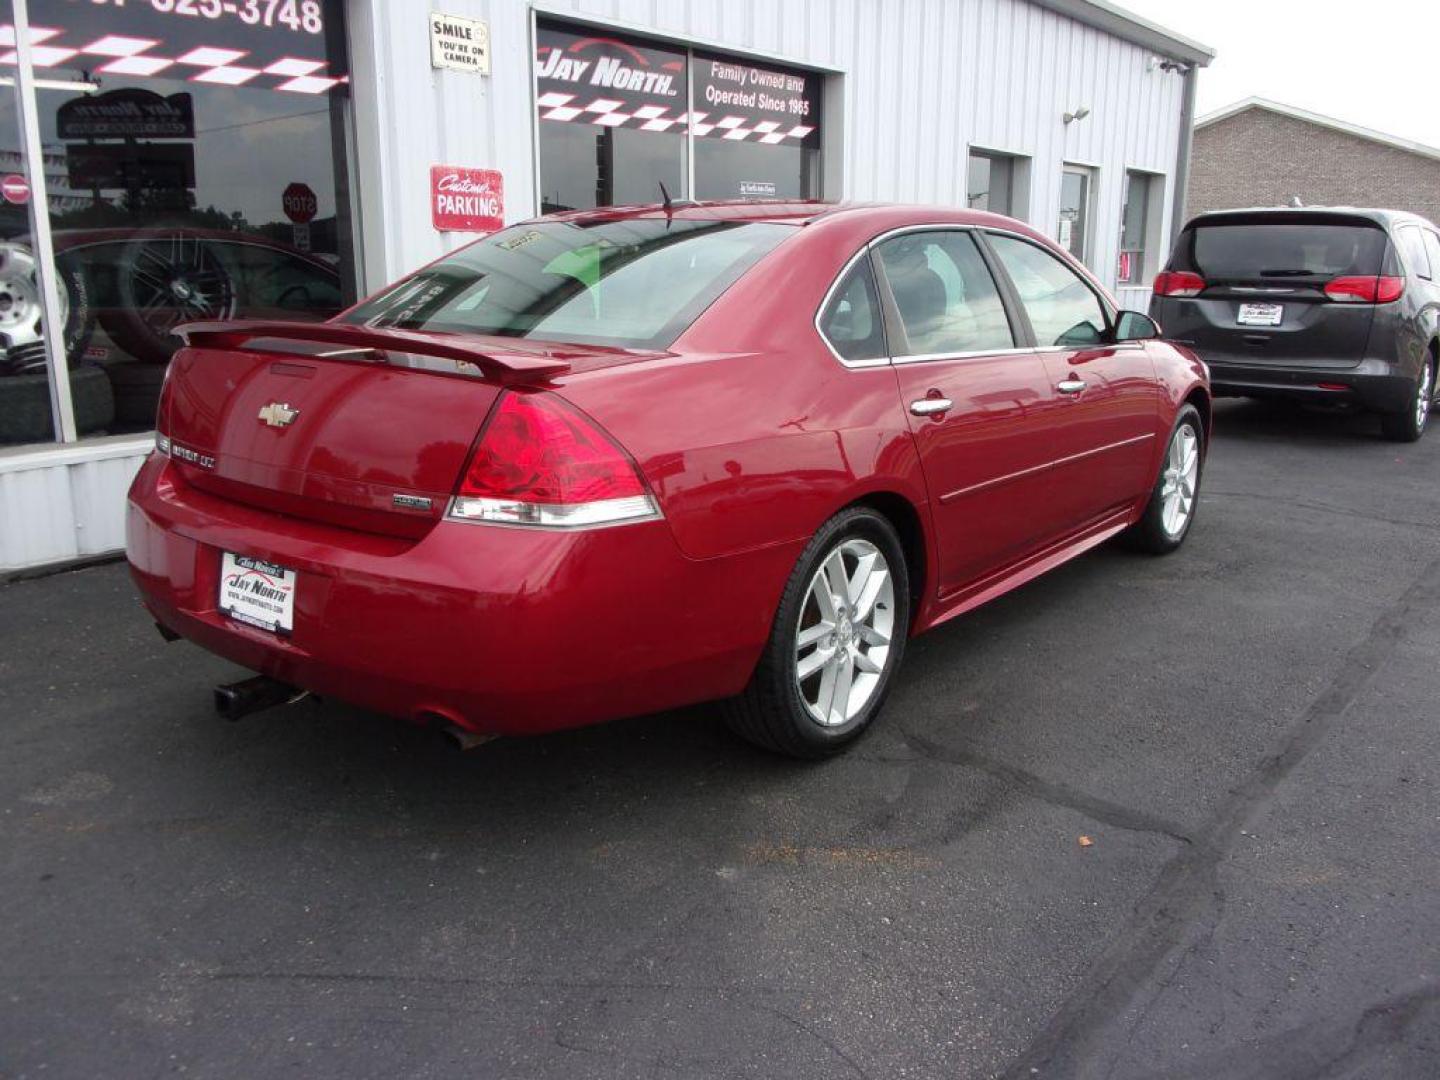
<point>1432,248</point>
<point>1063,309</point>
<point>947,300</point>
<point>1412,250</point>
<point>851,321</point>
<point>636,283</point>
<point>1259,250</point>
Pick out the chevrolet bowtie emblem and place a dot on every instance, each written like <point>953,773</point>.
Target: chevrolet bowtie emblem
<point>278,414</point>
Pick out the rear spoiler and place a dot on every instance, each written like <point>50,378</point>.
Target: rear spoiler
<point>503,366</point>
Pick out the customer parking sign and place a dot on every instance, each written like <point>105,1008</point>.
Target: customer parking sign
<point>466,200</point>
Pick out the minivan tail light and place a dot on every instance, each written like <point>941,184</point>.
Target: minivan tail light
<point>1181,283</point>
<point>541,461</point>
<point>1365,290</point>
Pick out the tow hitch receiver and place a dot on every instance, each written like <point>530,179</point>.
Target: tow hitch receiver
<point>239,699</point>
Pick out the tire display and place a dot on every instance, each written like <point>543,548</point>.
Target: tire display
<point>25,405</point>
<point>21,323</point>
<point>163,281</point>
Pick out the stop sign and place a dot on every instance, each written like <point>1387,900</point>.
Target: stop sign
<point>15,188</point>
<point>300,203</point>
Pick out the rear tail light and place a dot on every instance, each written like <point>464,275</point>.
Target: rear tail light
<point>543,462</point>
<point>162,415</point>
<point>1178,283</point>
<point>1365,290</point>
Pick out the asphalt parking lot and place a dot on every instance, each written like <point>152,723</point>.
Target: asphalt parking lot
<point>1245,731</point>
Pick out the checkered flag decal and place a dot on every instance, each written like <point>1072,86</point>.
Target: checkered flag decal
<point>116,54</point>
<point>607,112</point>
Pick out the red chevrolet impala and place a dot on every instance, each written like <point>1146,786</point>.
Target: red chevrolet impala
<point>610,462</point>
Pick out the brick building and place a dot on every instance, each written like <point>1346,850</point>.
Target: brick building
<point>1261,153</point>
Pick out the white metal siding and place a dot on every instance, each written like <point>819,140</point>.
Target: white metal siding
<point>922,81</point>
<point>63,503</point>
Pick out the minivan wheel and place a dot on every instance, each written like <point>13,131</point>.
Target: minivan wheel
<point>837,640</point>
<point>1176,495</point>
<point>1409,425</point>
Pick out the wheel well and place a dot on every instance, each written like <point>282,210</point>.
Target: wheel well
<point>1201,400</point>
<point>901,513</point>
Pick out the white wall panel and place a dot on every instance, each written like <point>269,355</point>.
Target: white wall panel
<point>923,81</point>
<point>59,503</point>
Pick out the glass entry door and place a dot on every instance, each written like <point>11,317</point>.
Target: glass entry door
<point>1073,229</point>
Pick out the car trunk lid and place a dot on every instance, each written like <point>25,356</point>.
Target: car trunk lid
<point>347,425</point>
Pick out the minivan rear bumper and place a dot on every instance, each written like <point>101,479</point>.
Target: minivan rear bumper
<point>1372,384</point>
<point>498,629</point>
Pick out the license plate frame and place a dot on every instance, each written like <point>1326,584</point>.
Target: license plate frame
<point>1260,314</point>
<point>257,593</point>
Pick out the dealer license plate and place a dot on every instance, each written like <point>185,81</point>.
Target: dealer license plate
<point>1261,314</point>
<point>257,593</point>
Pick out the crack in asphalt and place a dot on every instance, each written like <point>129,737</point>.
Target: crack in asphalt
<point>1314,1051</point>
<point>1048,791</point>
<point>1071,1044</point>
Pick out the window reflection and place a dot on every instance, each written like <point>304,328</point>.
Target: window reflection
<point>175,196</point>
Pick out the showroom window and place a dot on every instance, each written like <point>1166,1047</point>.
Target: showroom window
<point>1140,227</point>
<point>619,116</point>
<point>194,168</point>
<point>998,183</point>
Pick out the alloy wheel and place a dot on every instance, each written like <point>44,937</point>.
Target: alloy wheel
<point>1423,396</point>
<point>1182,470</point>
<point>843,636</point>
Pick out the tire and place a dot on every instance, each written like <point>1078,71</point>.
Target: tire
<point>137,393</point>
<point>162,281</point>
<point>1409,425</point>
<point>775,710</point>
<point>1158,532</point>
<point>25,405</point>
<point>20,319</point>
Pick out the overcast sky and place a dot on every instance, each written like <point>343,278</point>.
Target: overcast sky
<point>1373,63</point>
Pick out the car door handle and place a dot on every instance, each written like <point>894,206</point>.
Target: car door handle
<point>931,406</point>
<point>1070,386</point>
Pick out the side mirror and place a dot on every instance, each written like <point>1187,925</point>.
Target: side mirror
<point>1135,326</point>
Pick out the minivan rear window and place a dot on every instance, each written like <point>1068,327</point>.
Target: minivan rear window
<point>1260,251</point>
<point>632,283</point>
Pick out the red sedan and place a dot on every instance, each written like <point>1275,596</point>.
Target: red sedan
<point>617,461</point>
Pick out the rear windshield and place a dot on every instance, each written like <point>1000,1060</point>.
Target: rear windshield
<point>1259,251</point>
<point>633,284</point>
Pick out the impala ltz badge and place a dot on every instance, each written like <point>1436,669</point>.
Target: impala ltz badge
<point>278,414</point>
<point>410,502</point>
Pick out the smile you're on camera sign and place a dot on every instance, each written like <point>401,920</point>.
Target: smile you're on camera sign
<point>460,44</point>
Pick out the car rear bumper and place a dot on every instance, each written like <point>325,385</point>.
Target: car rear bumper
<point>1373,384</point>
<point>500,630</point>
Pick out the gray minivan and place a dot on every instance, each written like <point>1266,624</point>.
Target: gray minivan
<point>1329,304</point>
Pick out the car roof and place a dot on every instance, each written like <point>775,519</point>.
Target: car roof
<point>1379,215</point>
<point>797,212</point>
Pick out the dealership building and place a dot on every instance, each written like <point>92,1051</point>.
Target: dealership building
<point>166,161</point>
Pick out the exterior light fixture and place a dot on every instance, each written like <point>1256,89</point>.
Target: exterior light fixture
<point>1079,114</point>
